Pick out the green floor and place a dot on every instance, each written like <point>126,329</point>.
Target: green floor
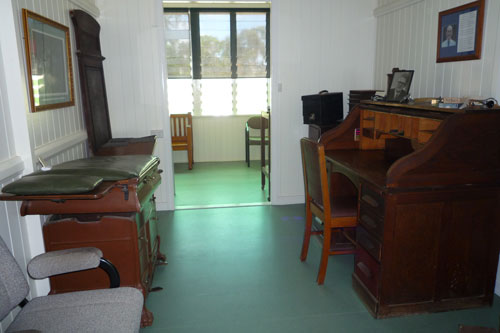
<point>238,270</point>
<point>218,184</point>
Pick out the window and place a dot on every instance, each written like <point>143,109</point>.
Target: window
<point>218,60</point>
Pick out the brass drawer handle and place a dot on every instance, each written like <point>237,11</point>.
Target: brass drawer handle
<point>370,200</point>
<point>364,269</point>
<point>369,221</point>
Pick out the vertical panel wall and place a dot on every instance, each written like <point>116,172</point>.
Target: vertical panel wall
<point>53,129</point>
<point>135,71</point>
<point>10,221</point>
<point>219,139</point>
<point>315,45</point>
<point>55,135</point>
<point>407,38</point>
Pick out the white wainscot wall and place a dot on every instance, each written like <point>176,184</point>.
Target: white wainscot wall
<point>65,124</point>
<point>406,38</point>
<point>219,139</point>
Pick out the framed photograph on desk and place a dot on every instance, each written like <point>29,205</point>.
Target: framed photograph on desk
<point>399,86</point>
<point>460,32</point>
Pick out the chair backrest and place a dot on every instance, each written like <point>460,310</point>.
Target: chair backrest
<point>255,121</point>
<point>13,285</point>
<point>315,175</point>
<point>181,127</point>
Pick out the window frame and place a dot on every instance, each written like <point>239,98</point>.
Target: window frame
<point>194,24</point>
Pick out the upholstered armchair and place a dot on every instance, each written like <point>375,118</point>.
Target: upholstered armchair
<point>105,310</point>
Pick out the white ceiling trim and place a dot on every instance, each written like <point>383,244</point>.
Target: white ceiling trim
<point>393,6</point>
<point>88,6</point>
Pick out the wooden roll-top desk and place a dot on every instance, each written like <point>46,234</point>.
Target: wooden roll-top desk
<point>428,184</point>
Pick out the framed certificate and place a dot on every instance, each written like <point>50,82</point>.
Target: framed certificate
<point>460,32</point>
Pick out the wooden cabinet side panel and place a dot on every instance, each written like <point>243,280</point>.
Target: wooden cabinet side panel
<point>410,253</point>
<point>469,244</point>
<point>115,236</point>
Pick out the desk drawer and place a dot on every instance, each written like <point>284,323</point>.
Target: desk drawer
<point>369,243</point>
<point>367,270</point>
<point>371,220</point>
<point>372,199</point>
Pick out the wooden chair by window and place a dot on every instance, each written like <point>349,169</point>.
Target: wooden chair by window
<point>253,123</point>
<point>336,207</point>
<point>181,127</point>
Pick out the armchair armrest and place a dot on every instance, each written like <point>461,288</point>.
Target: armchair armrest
<point>64,261</point>
<point>72,260</point>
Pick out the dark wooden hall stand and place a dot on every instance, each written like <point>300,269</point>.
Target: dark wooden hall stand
<point>428,183</point>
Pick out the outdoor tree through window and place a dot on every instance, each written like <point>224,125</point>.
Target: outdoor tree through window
<point>218,61</point>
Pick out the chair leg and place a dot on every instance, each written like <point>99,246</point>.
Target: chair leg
<point>247,150</point>
<point>307,234</point>
<point>190,159</point>
<point>325,253</point>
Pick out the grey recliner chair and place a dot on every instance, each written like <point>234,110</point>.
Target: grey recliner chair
<point>105,310</point>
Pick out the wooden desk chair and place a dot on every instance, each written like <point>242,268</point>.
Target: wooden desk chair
<point>253,140</point>
<point>181,127</point>
<point>337,212</point>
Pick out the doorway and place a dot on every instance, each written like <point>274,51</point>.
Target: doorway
<point>218,62</point>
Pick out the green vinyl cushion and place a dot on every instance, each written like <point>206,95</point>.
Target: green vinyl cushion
<point>44,184</point>
<point>81,176</point>
<point>110,168</point>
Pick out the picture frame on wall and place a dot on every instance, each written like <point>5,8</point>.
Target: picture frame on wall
<point>48,62</point>
<point>460,32</point>
<point>399,86</point>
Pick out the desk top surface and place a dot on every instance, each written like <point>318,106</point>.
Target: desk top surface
<point>370,165</point>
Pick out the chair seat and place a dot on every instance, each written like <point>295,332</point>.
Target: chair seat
<point>256,139</point>
<point>179,145</point>
<point>344,207</point>
<point>106,310</point>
